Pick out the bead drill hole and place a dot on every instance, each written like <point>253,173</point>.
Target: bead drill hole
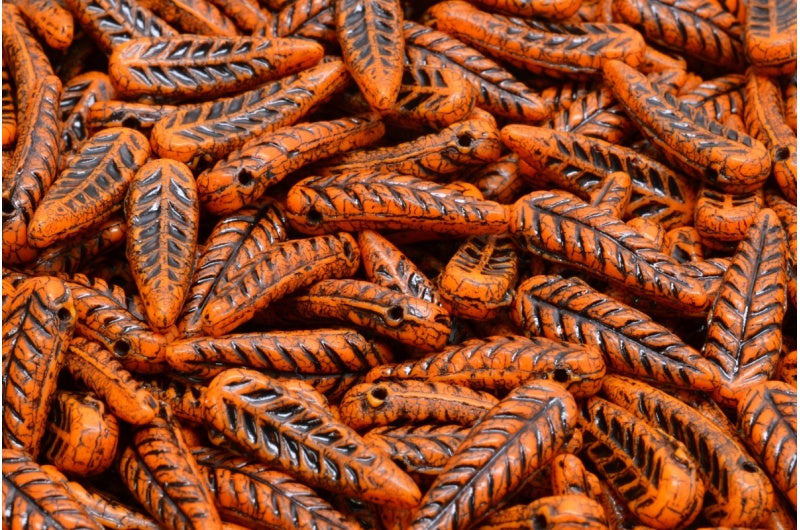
<point>560,375</point>
<point>122,348</point>
<point>244,177</point>
<point>464,140</point>
<point>377,396</point>
<point>131,122</point>
<point>8,206</point>
<point>781,154</point>
<point>395,314</point>
<point>64,315</point>
<point>314,216</point>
